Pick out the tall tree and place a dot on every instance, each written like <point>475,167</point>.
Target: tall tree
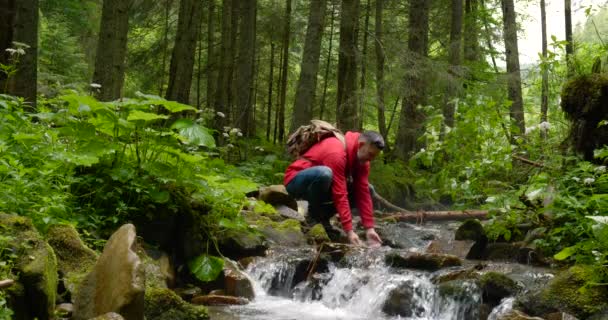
<point>471,31</point>
<point>246,61</point>
<point>168,4</point>
<point>328,61</point>
<point>488,36</point>
<point>211,55</point>
<point>224,75</point>
<point>307,84</point>
<point>19,23</point>
<point>569,39</point>
<point>363,64</point>
<point>112,49</point>
<point>411,118</point>
<point>347,112</point>
<point>270,82</point>
<point>184,50</point>
<point>380,57</point>
<point>449,105</point>
<point>513,73</point>
<point>544,96</point>
<point>284,69</point>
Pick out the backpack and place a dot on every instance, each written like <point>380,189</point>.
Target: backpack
<point>308,135</point>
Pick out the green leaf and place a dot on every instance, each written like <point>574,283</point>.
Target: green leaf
<point>160,196</point>
<point>565,253</point>
<point>205,267</point>
<point>136,115</point>
<point>193,133</point>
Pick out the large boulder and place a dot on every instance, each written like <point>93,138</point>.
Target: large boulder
<point>277,195</point>
<point>36,266</point>
<point>497,286</point>
<point>401,301</point>
<point>421,261</point>
<point>116,283</point>
<point>74,258</point>
<point>236,282</point>
<point>164,304</point>
<point>284,233</point>
<point>567,293</point>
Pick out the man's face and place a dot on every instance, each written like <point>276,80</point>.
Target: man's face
<point>367,152</point>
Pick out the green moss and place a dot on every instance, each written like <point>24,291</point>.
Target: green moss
<point>470,229</point>
<point>585,96</point>
<point>567,292</point>
<point>72,254</point>
<point>318,234</point>
<point>164,304</point>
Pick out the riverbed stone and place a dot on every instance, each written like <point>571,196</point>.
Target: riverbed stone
<point>516,315</point>
<point>34,294</point>
<point>401,301</point>
<point>164,304</point>
<point>217,300</point>
<point>109,316</point>
<point>471,229</point>
<point>236,282</point>
<point>277,195</point>
<point>421,261</point>
<point>497,286</point>
<point>116,283</point>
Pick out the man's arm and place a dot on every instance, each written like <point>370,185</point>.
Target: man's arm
<point>337,163</point>
<point>363,199</point>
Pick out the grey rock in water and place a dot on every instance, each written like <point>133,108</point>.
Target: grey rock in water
<point>402,301</point>
<point>236,282</point>
<point>421,261</point>
<point>288,212</point>
<point>116,283</point>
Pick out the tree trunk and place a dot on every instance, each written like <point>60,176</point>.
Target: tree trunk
<point>246,59</point>
<point>363,66</point>
<point>270,82</point>
<point>518,126</point>
<point>112,49</point>
<point>328,62</point>
<point>411,119</point>
<point>453,76</point>
<point>488,39</point>
<point>211,55</point>
<point>380,72</point>
<point>182,59</point>
<point>165,47</point>
<point>569,39</point>
<point>544,96</point>
<point>471,31</point>
<point>285,67</point>
<point>307,85</point>
<point>20,24</point>
<point>224,75</point>
<point>347,112</point>
<point>278,106</point>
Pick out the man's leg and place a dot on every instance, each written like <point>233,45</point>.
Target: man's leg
<point>314,185</point>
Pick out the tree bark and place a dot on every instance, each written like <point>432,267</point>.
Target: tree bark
<point>165,47</point>
<point>182,58</point>
<point>569,39</point>
<point>270,82</point>
<point>363,65</point>
<point>328,62</point>
<point>224,75</point>
<point>211,55</point>
<point>246,59</point>
<point>307,85</point>
<point>347,112</point>
<point>285,67</point>
<point>422,216</point>
<point>453,71</point>
<point>488,39</point>
<point>544,96</point>
<point>380,72</point>
<point>20,24</point>
<point>411,119</point>
<point>518,126</point>
<point>471,31</point>
<point>112,49</point>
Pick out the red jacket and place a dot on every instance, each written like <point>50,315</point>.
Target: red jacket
<point>330,152</point>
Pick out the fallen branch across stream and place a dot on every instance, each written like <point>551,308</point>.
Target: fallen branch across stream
<point>422,216</point>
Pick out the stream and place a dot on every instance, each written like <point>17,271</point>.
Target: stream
<point>360,285</point>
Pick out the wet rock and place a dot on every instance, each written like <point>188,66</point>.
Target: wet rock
<point>237,245</point>
<point>236,283</point>
<point>563,293</point>
<point>164,304</point>
<point>157,268</point>
<point>516,315</point>
<point>470,273</point>
<point>401,301</point>
<point>471,229</point>
<point>459,248</point>
<point>402,235</point>
<point>188,293</point>
<point>421,261</point>
<point>559,316</point>
<point>496,286</point>
<point>317,235</point>
<point>285,233</point>
<point>277,195</point>
<point>215,300</point>
<point>74,258</point>
<point>245,262</point>
<point>33,296</point>
<point>116,283</point>
<point>602,315</point>
<point>289,213</point>
<point>465,295</point>
<point>109,316</point>
<point>64,310</point>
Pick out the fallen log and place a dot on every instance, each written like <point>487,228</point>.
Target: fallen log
<point>421,216</point>
<point>6,283</point>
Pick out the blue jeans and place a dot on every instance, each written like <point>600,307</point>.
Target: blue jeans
<point>314,185</point>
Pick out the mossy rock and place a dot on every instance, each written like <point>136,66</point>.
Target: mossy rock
<point>471,229</point>
<point>287,232</point>
<point>421,261</point>
<point>496,286</point>
<point>586,96</point>
<point>317,234</point>
<point>36,266</point>
<point>164,304</point>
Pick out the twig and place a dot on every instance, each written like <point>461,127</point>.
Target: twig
<point>528,161</point>
<point>6,283</point>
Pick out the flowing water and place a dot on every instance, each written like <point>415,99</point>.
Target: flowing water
<point>359,286</point>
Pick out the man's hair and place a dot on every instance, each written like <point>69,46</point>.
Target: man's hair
<point>374,138</point>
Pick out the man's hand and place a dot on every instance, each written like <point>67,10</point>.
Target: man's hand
<point>373,239</point>
<point>353,238</point>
